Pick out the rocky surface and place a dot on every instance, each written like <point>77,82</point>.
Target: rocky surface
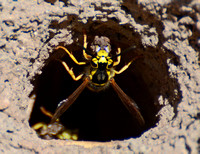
<point>165,33</point>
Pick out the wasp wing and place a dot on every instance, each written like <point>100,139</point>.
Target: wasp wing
<point>65,104</point>
<point>128,102</point>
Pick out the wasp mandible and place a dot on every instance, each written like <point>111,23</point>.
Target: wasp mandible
<point>98,76</point>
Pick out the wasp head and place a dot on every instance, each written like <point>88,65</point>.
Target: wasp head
<point>101,46</point>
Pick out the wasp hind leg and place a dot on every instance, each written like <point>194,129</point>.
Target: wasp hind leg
<point>71,73</point>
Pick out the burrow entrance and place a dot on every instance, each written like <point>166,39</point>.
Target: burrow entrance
<point>102,116</point>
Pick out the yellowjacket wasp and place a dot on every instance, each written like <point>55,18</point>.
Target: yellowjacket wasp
<point>99,74</point>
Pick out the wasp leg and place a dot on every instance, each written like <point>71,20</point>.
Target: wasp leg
<point>42,124</point>
<point>70,71</point>
<point>45,112</point>
<point>71,55</point>
<point>86,56</point>
<point>118,58</point>
<point>123,68</point>
<point>126,66</point>
<point>39,125</point>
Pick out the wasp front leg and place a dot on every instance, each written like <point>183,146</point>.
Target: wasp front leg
<point>71,73</point>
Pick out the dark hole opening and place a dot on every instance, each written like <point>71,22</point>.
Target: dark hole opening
<point>99,116</point>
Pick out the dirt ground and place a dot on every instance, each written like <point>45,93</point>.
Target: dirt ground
<point>165,82</point>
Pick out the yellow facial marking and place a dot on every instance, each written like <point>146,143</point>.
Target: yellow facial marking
<point>102,53</point>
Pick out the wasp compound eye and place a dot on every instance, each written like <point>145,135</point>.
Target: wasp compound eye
<point>98,48</point>
<point>106,48</point>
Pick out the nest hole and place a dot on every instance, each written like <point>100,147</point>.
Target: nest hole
<point>101,116</point>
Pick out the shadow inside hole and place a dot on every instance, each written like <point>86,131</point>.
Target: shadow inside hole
<point>98,116</point>
<point>102,116</point>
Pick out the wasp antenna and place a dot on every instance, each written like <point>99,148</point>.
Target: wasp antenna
<point>83,48</point>
<point>116,55</point>
<point>126,50</point>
